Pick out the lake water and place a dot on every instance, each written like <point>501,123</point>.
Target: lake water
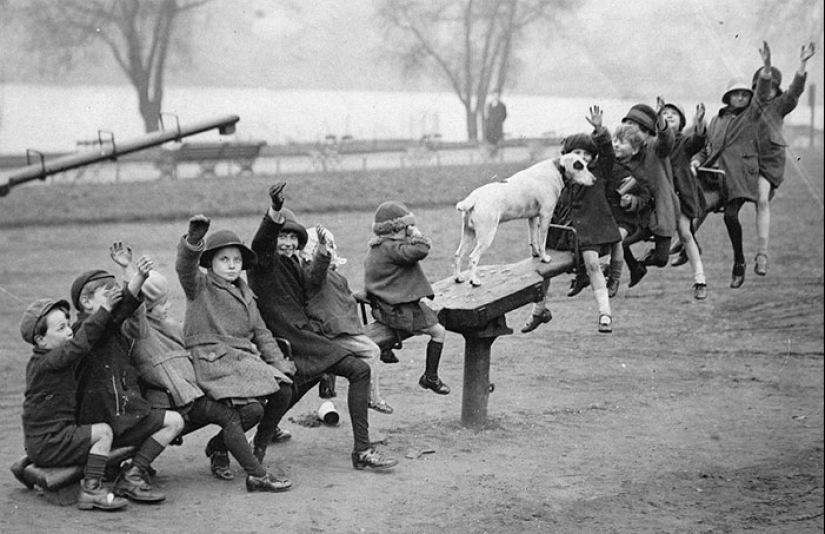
<point>54,118</point>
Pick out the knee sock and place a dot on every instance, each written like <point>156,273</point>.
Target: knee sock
<point>95,466</point>
<point>629,258</point>
<point>433,358</point>
<point>615,269</point>
<point>146,454</point>
<point>735,234</point>
<point>762,246</point>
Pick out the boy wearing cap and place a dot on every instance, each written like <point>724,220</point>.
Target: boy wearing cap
<point>691,200</point>
<point>597,231</point>
<point>166,370</point>
<point>108,386</point>
<point>279,282</point>
<point>771,145</point>
<point>732,147</point>
<point>52,438</point>
<point>236,358</point>
<point>396,284</point>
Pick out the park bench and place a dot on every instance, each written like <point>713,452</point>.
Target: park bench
<point>478,314</point>
<point>208,155</point>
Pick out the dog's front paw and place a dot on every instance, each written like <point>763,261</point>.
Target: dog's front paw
<point>535,252</point>
<point>458,279</point>
<point>475,282</point>
<point>545,258</point>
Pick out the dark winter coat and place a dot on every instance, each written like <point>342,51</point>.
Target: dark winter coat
<point>732,146</point>
<point>637,214</point>
<point>771,142</point>
<point>691,198</point>
<point>108,386</point>
<point>234,354</point>
<point>392,271</point>
<point>280,284</point>
<point>51,387</point>
<point>590,211</point>
<point>331,306</point>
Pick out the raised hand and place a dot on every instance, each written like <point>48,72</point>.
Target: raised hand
<point>700,112</point>
<point>596,117</point>
<point>198,226</point>
<point>112,297</point>
<point>322,234</point>
<point>765,53</point>
<point>660,104</point>
<point>121,254</point>
<point>807,51</point>
<point>145,265</point>
<point>276,194</point>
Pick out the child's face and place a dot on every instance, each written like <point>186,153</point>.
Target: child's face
<point>739,99</point>
<point>58,330</point>
<point>98,298</point>
<point>287,243</point>
<point>623,148</point>
<point>585,155</point>
<point>672,118</point>
<point>159,309</point>
<point>227,263</point>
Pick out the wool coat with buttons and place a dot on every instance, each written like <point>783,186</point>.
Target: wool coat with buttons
<point>771,142</point>
<point>108,383</point>
<point>234,354</point>
<point>691,199</point>
<point>50,403</point>
<point>280,284</point>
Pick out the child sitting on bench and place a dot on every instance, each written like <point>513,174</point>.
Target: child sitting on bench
<point>52,438</point>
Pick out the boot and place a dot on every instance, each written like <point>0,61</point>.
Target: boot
<point>219,463</point>
<point>268,482</point>
<point>326,387</point>
<point>93,495</point>
<point>133,482</point>
<point>388,356</point>
<point>281,435</point>
<point>580,282</point>
<point>373,459</point>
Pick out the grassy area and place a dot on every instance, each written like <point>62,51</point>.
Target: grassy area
<point>44,204</point>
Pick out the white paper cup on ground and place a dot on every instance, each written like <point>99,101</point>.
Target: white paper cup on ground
<point>328,414</point>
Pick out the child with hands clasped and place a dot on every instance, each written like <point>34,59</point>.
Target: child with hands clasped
<point>396,284</point>
<point>236,358</point>
<point>109,386</point>
<point>167,372</point>
<point>332,307</point>
<point>52,438</point>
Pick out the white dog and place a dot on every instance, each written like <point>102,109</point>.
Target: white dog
<point>530,194</point>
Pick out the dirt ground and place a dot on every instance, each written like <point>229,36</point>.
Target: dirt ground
<point>692,417</point>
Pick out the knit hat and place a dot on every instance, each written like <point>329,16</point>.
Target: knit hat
<point>155,288</point>
<point>36,311</point>
<point>680,111</point>
<point>581,141</point>
<point>81,281</point>
<point>776,77</point>
<point>644,116</point>
<point>226,238</point>
<point>291,224</point>
<point>736,84</point>
<point>390,217</point>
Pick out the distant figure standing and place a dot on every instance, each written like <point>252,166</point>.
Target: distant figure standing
<point>494,115</point>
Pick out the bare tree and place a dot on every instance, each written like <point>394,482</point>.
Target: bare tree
<point>138,33</point>
<point>471,43</point>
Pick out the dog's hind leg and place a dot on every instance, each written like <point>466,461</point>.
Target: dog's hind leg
<point>484,238</point>
<point>467,238</point>
<point>536,249</point>
<point>541,229</point>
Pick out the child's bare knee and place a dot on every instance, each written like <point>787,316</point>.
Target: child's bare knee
<point>173,421</point>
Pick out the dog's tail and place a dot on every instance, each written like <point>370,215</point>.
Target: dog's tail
<point>467,204</point>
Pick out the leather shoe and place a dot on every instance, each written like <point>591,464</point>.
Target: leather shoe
<point>219,463</point>
<point>738,277</point>
<point>268,482</point>
<point>761,265</point>
<point>700,291</point>
<point>281,435</point>
<point>94,495</point>
<point>637,274</point>
<point>381,407</point>
<point>373,459</point>
<point>605,324</point>
<point>434,384</point>
<point>388,356</point>
<point>133,483</point>
<point>612,287</point>
<point>580,282</point>
<point>680,259</point>
<point>537,320</point>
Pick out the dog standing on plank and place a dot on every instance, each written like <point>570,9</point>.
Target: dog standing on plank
<point>529,194</point>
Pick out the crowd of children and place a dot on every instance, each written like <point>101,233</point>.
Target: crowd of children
<point>126,373</point>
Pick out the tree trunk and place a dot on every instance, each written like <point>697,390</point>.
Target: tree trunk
<point>472,122</point>
<point>150,111</point>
